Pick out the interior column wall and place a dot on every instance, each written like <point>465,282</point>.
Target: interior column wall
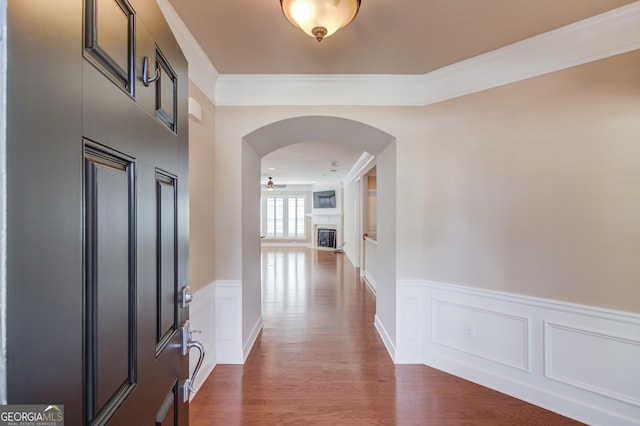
<point>351,237</point>
<point>386,247</point>
<point>251,264</point>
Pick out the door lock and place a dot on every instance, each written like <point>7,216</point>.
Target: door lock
<point>186,296</point>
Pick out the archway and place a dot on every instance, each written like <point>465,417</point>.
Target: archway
<point>271,137</point>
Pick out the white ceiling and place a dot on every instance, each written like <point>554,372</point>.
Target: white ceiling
<point>404,37</point>
<point>386,37</point>
<point>312,163</point>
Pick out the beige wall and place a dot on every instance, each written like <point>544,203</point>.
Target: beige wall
<point>201,197</point>
<point>534,188</point>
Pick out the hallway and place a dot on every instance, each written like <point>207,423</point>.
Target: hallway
<point>320,361</point>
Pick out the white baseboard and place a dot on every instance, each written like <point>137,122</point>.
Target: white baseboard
<point>578,361</point>
<point>251,340</point>
<point>370,281</point>
<point>386,339</point>
<point>201,312</point>
<point>288,244</point>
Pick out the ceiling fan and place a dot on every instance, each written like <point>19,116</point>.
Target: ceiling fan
<point>270,186</point>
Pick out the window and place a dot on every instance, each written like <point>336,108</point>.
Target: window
<point>283,217</point>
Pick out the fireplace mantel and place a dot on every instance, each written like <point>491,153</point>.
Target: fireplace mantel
<point>326,219</point>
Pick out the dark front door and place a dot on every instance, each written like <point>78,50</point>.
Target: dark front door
<point>97,239</point>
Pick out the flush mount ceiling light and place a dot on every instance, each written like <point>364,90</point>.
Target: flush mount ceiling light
<point>320,18</point>
<point>270,186</point>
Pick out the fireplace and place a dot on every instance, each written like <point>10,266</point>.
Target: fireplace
<point>327,237</point>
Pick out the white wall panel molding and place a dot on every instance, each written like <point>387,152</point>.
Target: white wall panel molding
<point>386,339</point>
<point>491,334</point>
<point>599,361</point>
<point>228,322</point>
<point>577,360</point>
<point>410,313</point>
<point>598,37</point>
<point>202,317</point>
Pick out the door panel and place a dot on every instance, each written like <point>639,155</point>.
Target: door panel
<point>110,282</point>
<point>166,91</point>
<point>167,310</point>
<point>110,38</point>
<point>113,30</point>
<point>98,243</point>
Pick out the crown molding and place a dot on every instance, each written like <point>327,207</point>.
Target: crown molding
<point>602,36</point>
<point>329,89</point>
<point>201,71</point>
<point>358,168</point>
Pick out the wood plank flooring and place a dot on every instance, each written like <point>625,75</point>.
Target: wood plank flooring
<point>319,361</point>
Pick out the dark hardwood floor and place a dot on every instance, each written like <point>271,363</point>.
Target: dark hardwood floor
<point>319,361</point>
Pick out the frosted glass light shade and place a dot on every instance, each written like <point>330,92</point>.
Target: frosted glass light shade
<point>270,186</point>
<point>320,18</point>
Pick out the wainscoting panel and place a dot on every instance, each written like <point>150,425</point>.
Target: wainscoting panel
<point>493,335</point>
<point>584,358</point>
<point>409,313</point>
<point>202,319</point>
<point>579,361</point>
<point>228,314</point>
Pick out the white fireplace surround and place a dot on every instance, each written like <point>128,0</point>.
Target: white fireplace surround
<point>326,221</point>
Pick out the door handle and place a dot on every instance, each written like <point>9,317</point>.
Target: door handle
<point>146,80</point>
<point>187,342</point>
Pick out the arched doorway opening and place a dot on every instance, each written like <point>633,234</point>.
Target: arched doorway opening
<point>279,134</point>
